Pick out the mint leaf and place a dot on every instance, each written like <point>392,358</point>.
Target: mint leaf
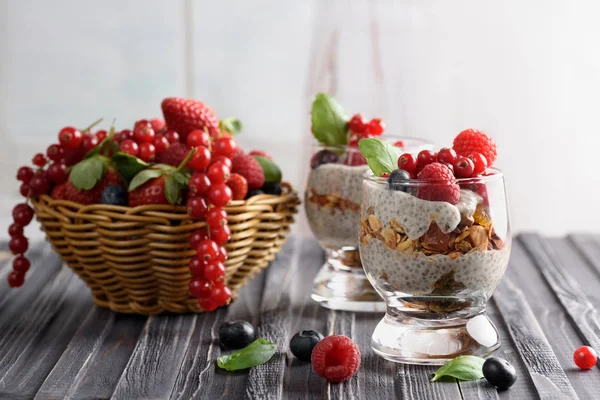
<point>381,156</point>
<point>181,177</point>
<point>329,120</point>
<point>270,169</point>
<point>465,368</point>
<point>231,125</point>
<point>143,177</point>
<point>256,353</point>
<point>172,189</point>
<point>128,165</point>
<point>85,174</point>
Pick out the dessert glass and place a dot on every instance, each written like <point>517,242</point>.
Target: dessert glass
<point>332,202</point>
<point>435,264</point>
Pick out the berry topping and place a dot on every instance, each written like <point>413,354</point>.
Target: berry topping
<point>375,127</point>
<point>585,357</point>
<point>115,195</point>
<point>444,188</point>
<point>238,185</point>
<point>399,143</point>
<point>323,157</point>
<point>425,157</point>
<point>236,334</point>
<point>446,156</point>
<point>336,358</point>
<point>303,343</point>
<point>474,141</point>
<point>186,115</point>
<point>357,124</point>
<point>479,163</point>
<point>24,174</point>
<point>397,180</point>
<point>407,162</point>
<point>249,168</point>
<point>463,167</point>
<point>499,372</point>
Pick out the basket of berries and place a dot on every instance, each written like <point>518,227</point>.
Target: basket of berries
<point>171,216</point>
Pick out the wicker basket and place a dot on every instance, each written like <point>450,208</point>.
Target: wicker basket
<point>135,260</point>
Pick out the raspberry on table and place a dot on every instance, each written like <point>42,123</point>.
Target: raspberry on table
<point>445,187</point>
<point>336,358</point>
<point>474,141</point>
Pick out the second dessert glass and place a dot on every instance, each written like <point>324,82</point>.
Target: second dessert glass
<point>332,202</point>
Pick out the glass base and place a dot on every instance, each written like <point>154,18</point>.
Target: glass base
<point>402,338</point>
<point>341,284</point>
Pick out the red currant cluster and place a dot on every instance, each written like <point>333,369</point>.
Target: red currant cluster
<point>147,140</point>
<point>360,128</point>
<point>22,216</point>
<point>463,167</point>
<point>208,194</point>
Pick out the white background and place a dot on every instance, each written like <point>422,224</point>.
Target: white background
<point>527,72</point>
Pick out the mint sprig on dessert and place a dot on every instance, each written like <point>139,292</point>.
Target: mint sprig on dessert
<point>329,120</point>
<point>381,156</point>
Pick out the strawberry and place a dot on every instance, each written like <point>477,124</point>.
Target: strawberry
<point>238,185</point>
<point>93,195</point>
<point>174,155</point>
<point>260,153</point>
<point>249,168</point>
<point>186,115</point>
<point>151,192</point>
<point>58,191</point>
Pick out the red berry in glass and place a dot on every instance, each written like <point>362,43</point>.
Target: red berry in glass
<point>222,160</point>
<point>214,271</point>
<point>407,162</point>
<point>40,184</point>
<point>24,174</point>
<point>200,160</point>
<point>221,234</point>
<point>101,135</point>
<point>222,254</point>
<point>353,142</point>
<point>216,217</point>
<point>57,172</point>
<point>218,173</point>
<point>197,236</point>
<point>446,155</point>
<point>479,162</point>
<point>147,151</point>
<point>172,136</point>
<point>18,245</point>
<point>199,288</point>
<point>124,135</point>
<point>24,190</point>
<point>585,357</point>
<point>207,249</point>
<point>22,214</point>
<point>375,127</point>
<point>463,167</point>
<point>425,157</point>
<point>88,142</point>
<point>69,138</point>
<point>15,230</point>
<point>219,194</point>
<point>21,264</point>
<point>197,207</point>
<point>143,132</point>
<point>399,143</point>
<point>198,138</point>
<point>207,304</point>
<point>196,266</point>
<point>39,160</point>
<point>198,184</point>
<point>357,123</point>
<point>16,279</point>
<point>54,152</point>
<point>220,294</point>
<point>225,146</point>
<point>130,147</point>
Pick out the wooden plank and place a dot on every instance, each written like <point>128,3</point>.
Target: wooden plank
<point>414,382</point>
<point>589,248</point>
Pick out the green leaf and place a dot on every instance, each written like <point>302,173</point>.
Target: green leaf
<point>128,165</point>
<point>329,120</point>
<point>231,125</point>
<point>381,156</point>
<point>270,169</point>
<point>465,368</point>
<point>181,177</point>
<point>97,149</point>
<point>144,176</point>
<point>256,353</point>
<point>172,189</point>
<point>85,174</point>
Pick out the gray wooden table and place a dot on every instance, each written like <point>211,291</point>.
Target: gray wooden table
<point>55,344</point>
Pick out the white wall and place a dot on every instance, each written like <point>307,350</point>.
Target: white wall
<point>527,72</point>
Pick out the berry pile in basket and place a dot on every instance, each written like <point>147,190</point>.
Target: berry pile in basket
<point>192,159</point>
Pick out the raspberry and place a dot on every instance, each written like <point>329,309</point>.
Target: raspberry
<point>249,168</point>
<point>260,153</point>
<point>58,191</point>
<point>94,195</point>
<point>174,155</point>
<point>238,185</point>
<point>474,141</point>
<point>444,189</point>
<point>336,358</point>
<point>186,115</point>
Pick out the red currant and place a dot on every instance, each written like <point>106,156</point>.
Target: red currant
<point>199,288</point>
<point>147,151</point>
<point>72,156</point>
<point>161,144</point>
<point>143,132</point>
<point>357,123</point>
<point>207,249</point>
<point>101,135</point>
<point>225,146</point>
<point>18,244</point>
<point>197,236</point>
<point>218,173</point>
<point>216,217</point>
<point>207,304</point>
<point>198,138</point>
<point>24,190</point>
<point>16,279</point>
<point>55,152</point>
<point>57,172</point>
<point>22,214</point>
<point>407,162</point>
<point>399,143</point>
<point>172,136</point>
<point>39,184</point>
<point>214,271</point>
<point>353,142</point>
<point>39,160</point>
<point>157,124</point>
<point>479,162</point>
<point>585,357</point>
<point>222,254</point>
<point>24,174</point>
<point>130,147</point>
<point>219,194</point>
<point>447,155</point>
<point>222,160</point>
<point>125,134</point>
<point>88,142</point>
<point>425,157</point>
<point>198,184</point>
<point>385,175</point>
<point>220,294</point>
<point>221,234</point>
<point>375,127</point>
<point>463,167</point>
<point>200,160</point>
<point>196,266</point>
<point>21,264</point>
<point>197,207</point>
<point>69,138</point>
<point>15,230</point>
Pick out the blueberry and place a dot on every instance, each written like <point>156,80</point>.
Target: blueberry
<point>499,372</point>
<point>115,195</point>
<point>323,157</point>
<point>396,180</point>
<point>236,334</point>
<point>303,343</point>
<point>254,192</point>
<point>272,188</point>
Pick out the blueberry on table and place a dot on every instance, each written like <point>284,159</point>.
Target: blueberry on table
<point>397,180</point>
<point>499,372</point>
<point>272,188</point>
<point>236,334</point>
<point>303,343</point>
<point>115,195</point>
